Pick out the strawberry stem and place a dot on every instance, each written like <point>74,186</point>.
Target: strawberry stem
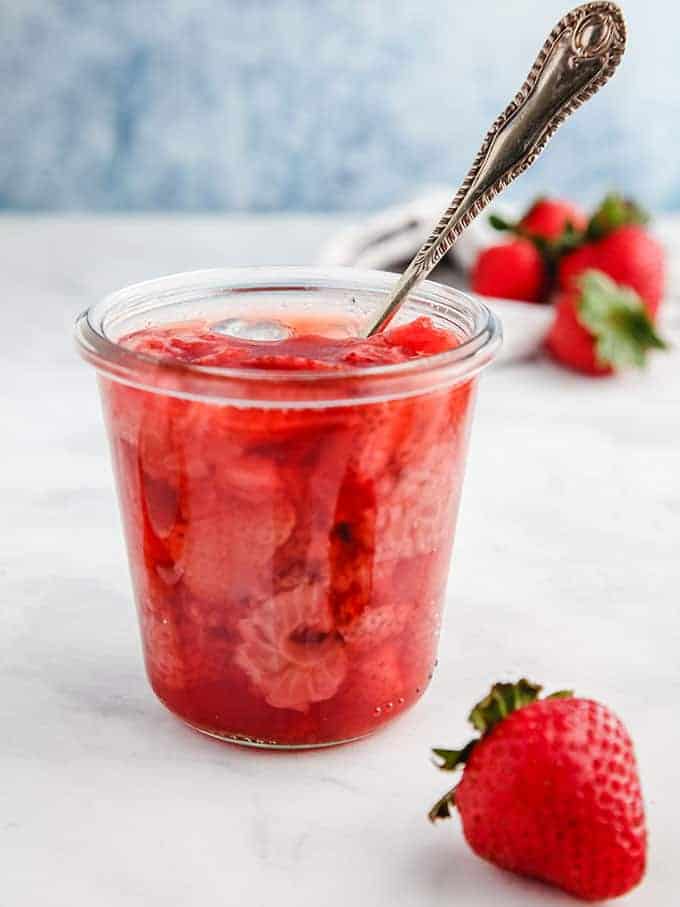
<point>451,759</point>
<point>442,808</point>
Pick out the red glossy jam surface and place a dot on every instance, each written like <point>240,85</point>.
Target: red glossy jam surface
<point>195,342</point>
<point>289,564</point>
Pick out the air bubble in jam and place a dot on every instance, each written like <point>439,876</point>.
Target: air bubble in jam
<point>242,329</point>
<point>289,564</point>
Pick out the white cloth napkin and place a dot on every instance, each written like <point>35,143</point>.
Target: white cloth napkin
<point>392,236</point>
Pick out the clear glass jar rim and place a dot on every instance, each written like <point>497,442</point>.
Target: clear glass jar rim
<point>192,381</point>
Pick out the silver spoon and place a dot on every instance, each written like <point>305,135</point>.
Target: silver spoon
<point>577,59</point>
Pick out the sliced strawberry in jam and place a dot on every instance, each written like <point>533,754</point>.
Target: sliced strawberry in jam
<point>420,338</point>
<point>212,449</point>
<point>405,604</point>
<point>290,650</point>
<point>384,616</point>
<point>125,409</point>
<point>351,549</point>
<point>162,437</point>
<point>415,512</point>
<point>185,342</point>
<point>376,441</point>
<point>224,548</point>
<point>184,645</point>
<point>375,689</point>
<point>376,624</point>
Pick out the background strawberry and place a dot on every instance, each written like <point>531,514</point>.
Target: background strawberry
<point>613,212</point>
<point>547,219</point>
<point>513,270</point>
<point>550,790</point>
<point>629,255</point>
<point>617,243</point>
<point>566,245</point>
<point>600,326</point>
<point>523,269</point>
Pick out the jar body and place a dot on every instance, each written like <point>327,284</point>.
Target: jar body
<point>289,534</point>
<point>289,565</point>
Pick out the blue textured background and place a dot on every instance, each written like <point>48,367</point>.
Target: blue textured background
<point>306,104</point>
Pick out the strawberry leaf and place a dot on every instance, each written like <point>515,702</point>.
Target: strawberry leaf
<point>499,223</point>
<point>452,759</point>
<point>615,211</point>
<point>442,808</point>
<point>618,320</point>
<point>502,700</point>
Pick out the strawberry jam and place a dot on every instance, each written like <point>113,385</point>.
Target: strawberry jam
<point>289,562</point>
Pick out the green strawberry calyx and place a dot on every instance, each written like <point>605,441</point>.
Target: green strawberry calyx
<point>502,700</point>
<point>615,211</point>
<point>617,318</point>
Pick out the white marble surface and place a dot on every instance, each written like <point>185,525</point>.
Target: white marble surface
<point>567,568</point>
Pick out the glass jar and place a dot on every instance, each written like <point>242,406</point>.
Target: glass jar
<point>289,532</point>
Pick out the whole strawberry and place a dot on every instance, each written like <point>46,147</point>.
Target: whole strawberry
<point>513,270</point>
<point>550,790</point>
<point>601,327</point>
<point>617,243</point>
<point>524,268</point>
<point>548,220</point>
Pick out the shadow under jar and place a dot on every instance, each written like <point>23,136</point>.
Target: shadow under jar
<point>289,532</point>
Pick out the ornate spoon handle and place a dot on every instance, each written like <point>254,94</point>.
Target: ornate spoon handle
<point>577,59</point>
